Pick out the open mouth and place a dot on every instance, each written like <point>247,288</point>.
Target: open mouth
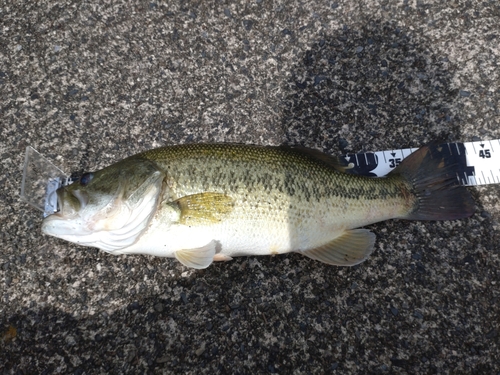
<point>65,221</point>
<point>70,202</point>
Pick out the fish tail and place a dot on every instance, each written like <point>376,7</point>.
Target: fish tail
<point>432,176</point>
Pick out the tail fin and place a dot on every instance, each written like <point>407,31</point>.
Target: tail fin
<point>432,175</point>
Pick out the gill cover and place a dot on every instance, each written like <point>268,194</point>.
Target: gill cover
<point>112,210</point>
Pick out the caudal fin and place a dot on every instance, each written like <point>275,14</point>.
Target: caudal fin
<point>432,175</point>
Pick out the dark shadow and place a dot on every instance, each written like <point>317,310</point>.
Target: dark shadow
<point>371,89</point>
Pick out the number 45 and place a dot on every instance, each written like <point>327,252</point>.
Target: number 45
<point>485,154</point>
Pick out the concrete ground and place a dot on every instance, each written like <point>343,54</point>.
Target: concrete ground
<point>88,83</point>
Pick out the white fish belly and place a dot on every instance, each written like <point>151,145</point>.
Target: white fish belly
<point>234,240</point>
<point>238,237</point>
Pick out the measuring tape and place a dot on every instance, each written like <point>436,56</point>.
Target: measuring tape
<point>477,163</point>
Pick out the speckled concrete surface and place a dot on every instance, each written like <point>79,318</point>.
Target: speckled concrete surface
<point>87,84</point>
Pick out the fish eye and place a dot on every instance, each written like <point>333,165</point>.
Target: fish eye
<point>86,178</point>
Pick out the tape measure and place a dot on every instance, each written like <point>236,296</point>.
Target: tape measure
<point>477,163</point>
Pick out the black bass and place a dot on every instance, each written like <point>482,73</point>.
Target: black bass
<point>205,202</point>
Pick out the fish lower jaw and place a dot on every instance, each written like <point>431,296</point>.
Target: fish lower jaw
<point>58,225</point>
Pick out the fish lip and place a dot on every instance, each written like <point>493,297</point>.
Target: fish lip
<point>60,202</point>
<point>48,223</point>
<point>59,225</point>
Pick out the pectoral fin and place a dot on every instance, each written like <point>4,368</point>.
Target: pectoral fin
<point>204,208</point>
<point>198,258</point>
<point>349,249</point>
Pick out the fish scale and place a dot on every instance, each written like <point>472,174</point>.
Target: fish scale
<point>285,170</point>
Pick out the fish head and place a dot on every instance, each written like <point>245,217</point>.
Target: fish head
<point>110,208</point>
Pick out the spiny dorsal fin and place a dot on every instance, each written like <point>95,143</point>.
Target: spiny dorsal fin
<point>334,162</point>
<point>349,249</point>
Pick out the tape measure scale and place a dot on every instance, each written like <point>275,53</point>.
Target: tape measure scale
<point>478,163</point>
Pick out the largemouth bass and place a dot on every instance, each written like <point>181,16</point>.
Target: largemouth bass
<point>205,202</point>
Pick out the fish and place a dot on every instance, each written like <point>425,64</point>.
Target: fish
<point>201,203</point>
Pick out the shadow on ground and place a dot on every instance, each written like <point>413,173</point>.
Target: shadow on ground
<point>361,89</point>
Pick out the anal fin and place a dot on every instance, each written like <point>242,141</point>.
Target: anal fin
<point>349,249</point>
<point>198,258</point>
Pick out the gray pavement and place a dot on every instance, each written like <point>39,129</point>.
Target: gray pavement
<point>88,83</point>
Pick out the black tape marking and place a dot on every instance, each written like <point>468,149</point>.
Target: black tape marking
<point>453,154</point>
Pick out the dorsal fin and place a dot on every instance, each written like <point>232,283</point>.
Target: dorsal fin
<point>337,163</point>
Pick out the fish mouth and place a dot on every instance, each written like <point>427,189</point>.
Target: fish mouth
<point>69,203</point>
<point>66,220</point>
